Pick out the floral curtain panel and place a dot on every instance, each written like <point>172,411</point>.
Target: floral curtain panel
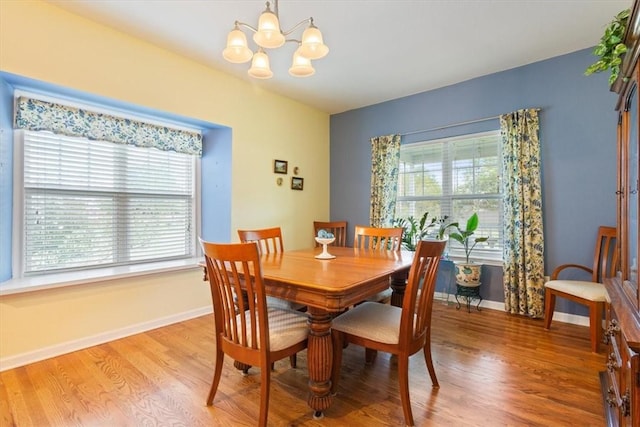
<point>523,234</point>
<point>37,115</point>
<point>385,159</point>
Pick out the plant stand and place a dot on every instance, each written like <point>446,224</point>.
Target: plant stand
<point>469,292</point>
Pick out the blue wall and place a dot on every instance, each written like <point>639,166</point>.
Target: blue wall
<point>6,179</point>
<point>577,134</point>
<point>216,185</point>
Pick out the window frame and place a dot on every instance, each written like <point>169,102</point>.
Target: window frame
<point>447,199</point>
<point>20,282</point>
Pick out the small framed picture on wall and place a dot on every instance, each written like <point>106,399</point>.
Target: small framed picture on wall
<point>297,183</point>
<point>280,166</point>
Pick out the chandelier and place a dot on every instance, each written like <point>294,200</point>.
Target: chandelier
<point>269,35</point>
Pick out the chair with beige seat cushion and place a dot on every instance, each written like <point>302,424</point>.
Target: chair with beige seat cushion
<point>590,293</point>
<point>400,331</point>
<point>247,330</point>
<point>378,238</point>
<point>337,228</point>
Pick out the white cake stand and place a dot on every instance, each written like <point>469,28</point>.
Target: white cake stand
<point>324,242</point>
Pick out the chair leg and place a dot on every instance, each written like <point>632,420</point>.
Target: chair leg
<point>595,324</point>
<point>265,383</point>
<point>370,355</point>
<point>217,370</point>
<point>337,341</point>
<point>549,307</point>
<point>429,362</point>
<point>403,378</point>
<point>293,360</point>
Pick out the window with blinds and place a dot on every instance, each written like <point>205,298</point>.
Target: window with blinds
<point>455,177</point>
<point>90,204</point>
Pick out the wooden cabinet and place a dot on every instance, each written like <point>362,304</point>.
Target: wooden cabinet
<point>621,379</point>
<point>620,390</point>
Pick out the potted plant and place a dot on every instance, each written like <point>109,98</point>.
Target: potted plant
<point>611,47</point>
<point>468,273</point>
<point>420,229</point>
<point>443,223</point>
<point>414,229</point>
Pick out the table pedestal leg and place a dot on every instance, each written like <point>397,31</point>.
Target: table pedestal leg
<point>241,366</point>
<point>398,285</point>
<point>320,358</point>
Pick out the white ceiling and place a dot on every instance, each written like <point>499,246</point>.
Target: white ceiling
<point>379,50</point>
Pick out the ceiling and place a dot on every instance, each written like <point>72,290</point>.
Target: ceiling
<point>379,50</point>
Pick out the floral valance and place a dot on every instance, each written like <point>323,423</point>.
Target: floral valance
<point>36,115</point>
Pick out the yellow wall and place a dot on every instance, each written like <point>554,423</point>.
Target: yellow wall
<point>43,42</point>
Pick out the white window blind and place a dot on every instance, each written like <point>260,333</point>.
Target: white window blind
<point>455,177</point>
<point>90,204</point>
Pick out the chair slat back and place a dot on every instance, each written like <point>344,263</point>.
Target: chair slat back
<point>338,228</point>
<point>269,240</point>
<point>241,324</point>
<point>605,258</point>
<point>378,238</point>
<point>417,306</point>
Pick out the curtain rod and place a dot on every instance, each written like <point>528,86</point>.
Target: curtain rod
<point>458,124</point>
<point>450,126</point>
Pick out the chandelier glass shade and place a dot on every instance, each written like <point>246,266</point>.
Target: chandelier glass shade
<point>312,45</point>
<point>260,66</point>
<point>301,66</point>
<point>237,50</point>
<point>269,35</point>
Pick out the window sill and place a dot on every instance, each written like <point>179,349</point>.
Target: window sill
<point>493,262</point>
<point>53,281</point>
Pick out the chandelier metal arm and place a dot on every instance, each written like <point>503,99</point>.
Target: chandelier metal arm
<point>298,25</point>
<point>284,33</point>
<point>247,26</point>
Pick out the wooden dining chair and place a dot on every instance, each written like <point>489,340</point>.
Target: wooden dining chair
<point>378,238</point>
<point>269,241</point>
<point>337,228</point>
<point>590,293</point>
<point>253,333</point>
<point>400,331</point>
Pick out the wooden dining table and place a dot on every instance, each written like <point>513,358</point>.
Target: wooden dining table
<point>329,287</point>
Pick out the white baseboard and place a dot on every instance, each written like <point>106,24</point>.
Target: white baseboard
<point>498,305</point>
<point>74,345</point>
<point>67,347</point>
<point>571,318</point>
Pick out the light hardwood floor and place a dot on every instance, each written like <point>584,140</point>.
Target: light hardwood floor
<point>494,369</point>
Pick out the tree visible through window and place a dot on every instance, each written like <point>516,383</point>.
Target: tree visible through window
<point>455,177</point>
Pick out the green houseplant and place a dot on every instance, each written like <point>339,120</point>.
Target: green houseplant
<point>418,229</point>
<point>414,229</point>
<point>468,273</point>
<point>443,223</point>
<point>611,48</point>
